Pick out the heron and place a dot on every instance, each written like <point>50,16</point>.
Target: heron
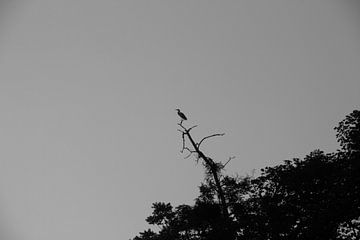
<point>181,115</point>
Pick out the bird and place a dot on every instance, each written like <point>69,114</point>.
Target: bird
<point>181,115</point>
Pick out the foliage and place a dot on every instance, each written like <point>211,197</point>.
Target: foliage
<point>348,132</point>
<point>312,198</point>
<point>350,230</point>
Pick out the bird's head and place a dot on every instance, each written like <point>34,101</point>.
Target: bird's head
<point>177,110</point>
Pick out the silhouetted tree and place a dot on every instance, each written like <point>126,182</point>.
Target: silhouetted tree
<point>312,198</point>
<point>301,199</point>
<point>305,199</point>
<point>348,132</point>
<point>350,230</point>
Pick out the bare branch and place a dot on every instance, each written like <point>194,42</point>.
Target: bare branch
<point>186,148</point>
<point>183,142</point>
<point>230,158</point>
<point>213,169</point>
<point>189,150</point>
<point>180,124</point>
<point>192,128</point>
<point>190,153</point>
<point>186,129</point>
<point>213,135</point>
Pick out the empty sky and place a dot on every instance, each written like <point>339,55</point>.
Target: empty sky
<point>88,91</point>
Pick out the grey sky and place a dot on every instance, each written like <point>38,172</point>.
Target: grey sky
<point>88,92</point>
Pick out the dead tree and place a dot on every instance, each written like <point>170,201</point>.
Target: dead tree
<point>213,168</point>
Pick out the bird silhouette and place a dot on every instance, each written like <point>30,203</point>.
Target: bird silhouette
<point>181,115</point>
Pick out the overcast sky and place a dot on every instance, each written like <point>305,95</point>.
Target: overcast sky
<point>88,91</point>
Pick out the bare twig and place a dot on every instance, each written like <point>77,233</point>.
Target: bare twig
<point>230,158</point>
<point>192,128</point>
<point>180,124</point>
<point>210,136</point>
<point>190,153</point>
<point>183,142</point>
<point>186,129</point>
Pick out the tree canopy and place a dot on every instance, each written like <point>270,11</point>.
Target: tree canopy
<point>316,198</point>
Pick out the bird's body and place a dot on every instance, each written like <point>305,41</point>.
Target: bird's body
<point>181,115</point>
